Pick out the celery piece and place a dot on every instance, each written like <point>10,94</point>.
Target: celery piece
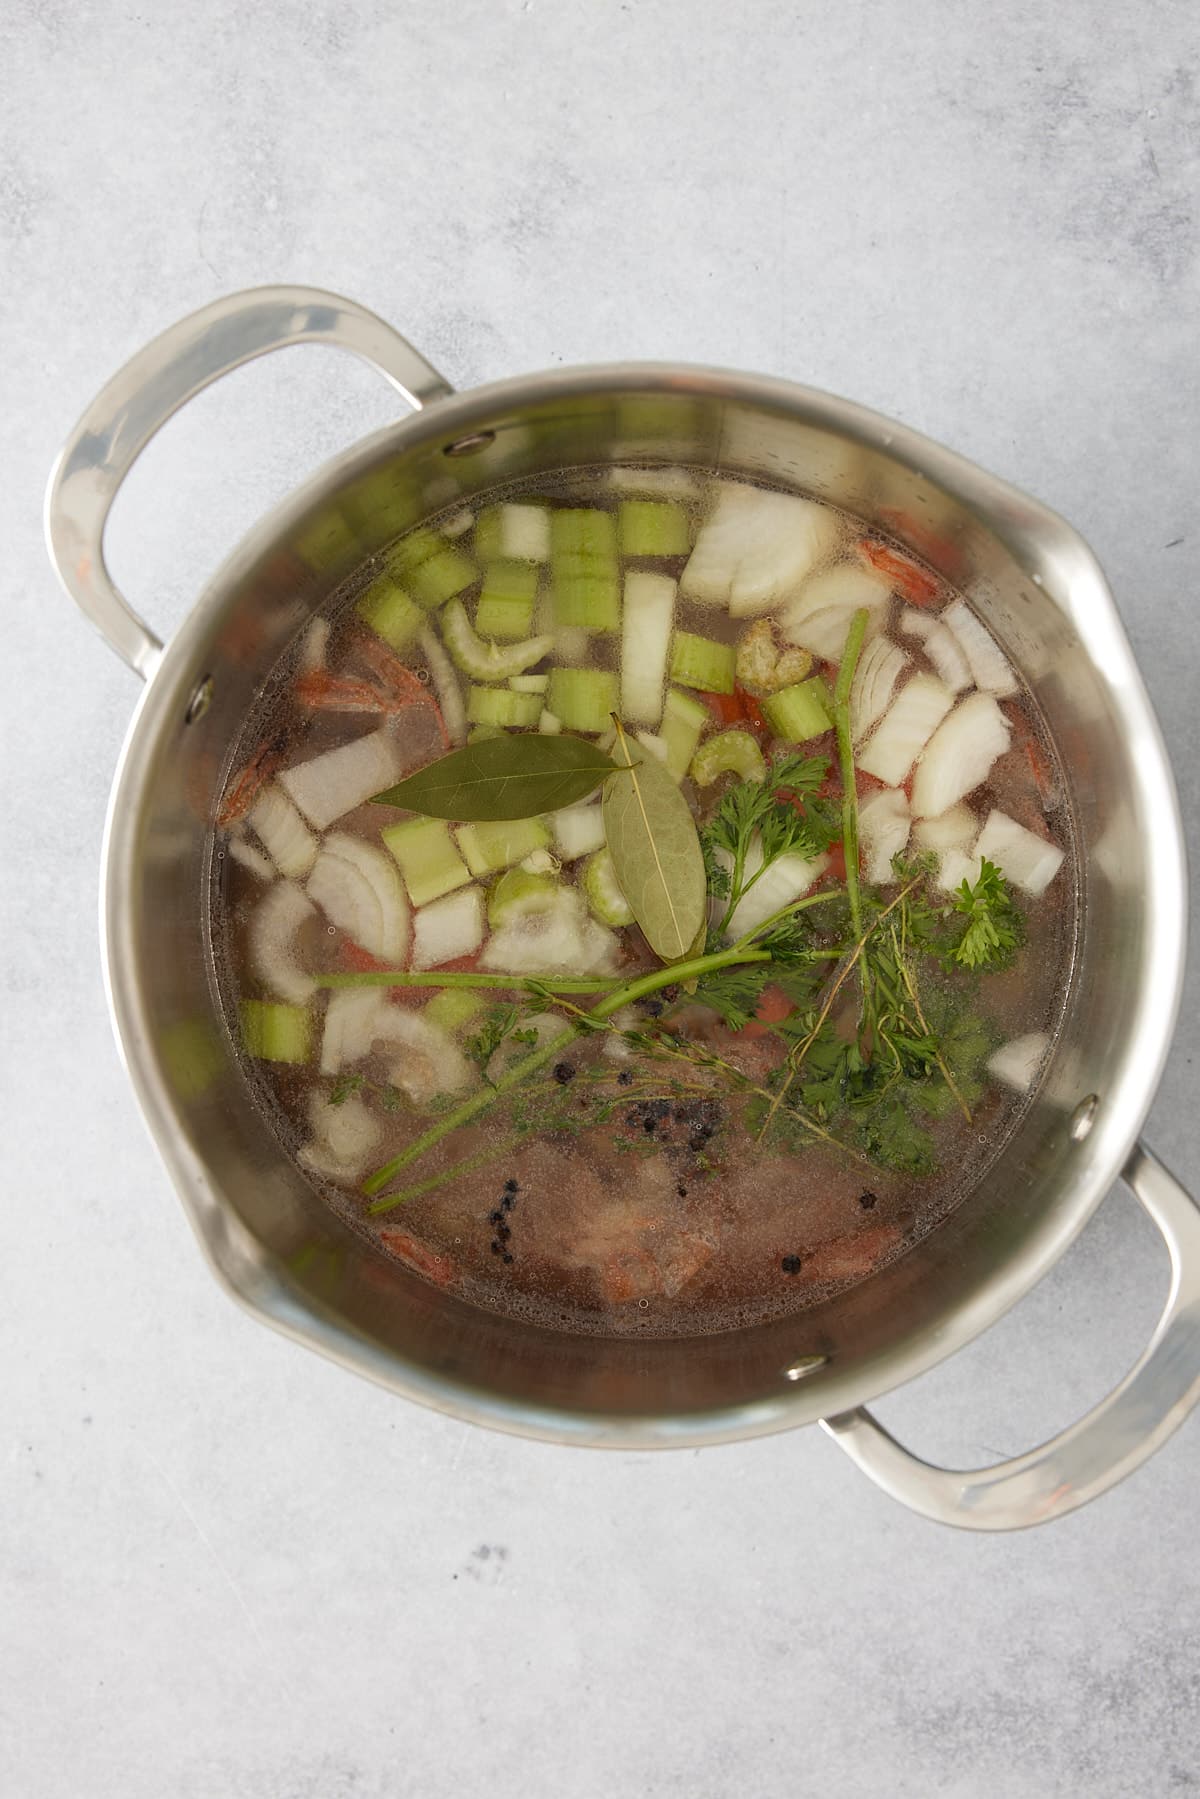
<point>487,661</point>
<point>549,725</point>
<point>702,662</point>
<point>728,753</point>
<point>501,706</point>
<point>800,712</point>
<point>587,600</point>
<point>489,847</point>
<point>521,533</point>
<point>431,569</point>
<point>521,894</point>
<point>506,603</point>
<point>583,698</point>
<point>603,892</point>
<point>653,528</point>
<point>587,588</point>
<point>485,733</point>
<point>390,612</point>
<point>274,1032</point>
<point>454,1008</point>
<point>427,858</point>
<point>529,683</point>
<point>682,722</point>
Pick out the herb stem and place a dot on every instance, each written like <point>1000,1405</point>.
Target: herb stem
<point>399,977</point>
<point>845,744</point>
<point>797,905</point>
<point>911,990</point>
<point>486,1097</point>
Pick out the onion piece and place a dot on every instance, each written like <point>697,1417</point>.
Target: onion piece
<point>788,878</point>
<point>1030,862</point>
<point>959,755</point>
<point>989,665</point>
<point>883,824</point>
<point>359,890</point>
<point>879,668</point>
<point>344,1137</point>
<point>248,857</point>
<point>350,1021</point>
<point>446,687</point>
<point>458,524</point>
<point>905,728</point>
<point>1016,1063</point>
<point>954,829</point>
<point>448,928</point>
<point>755,547</point>
<point>314,645</point>
<point>955,867</point>
<point>282,832</point>
<point>431,1063</point>
<point>818,619</point>
<point>563,939</point>
<point>941,646</point>
<point>271,943</point>
<point>339,780</point>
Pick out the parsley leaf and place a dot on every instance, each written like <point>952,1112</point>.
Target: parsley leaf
<point>992,929</point>
<point>500,1025</point>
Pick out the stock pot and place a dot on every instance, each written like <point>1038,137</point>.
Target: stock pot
<point>293,1264</point>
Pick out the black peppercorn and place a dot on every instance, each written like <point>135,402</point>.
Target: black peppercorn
<point>790,1264</point>
<point>563,1073</point>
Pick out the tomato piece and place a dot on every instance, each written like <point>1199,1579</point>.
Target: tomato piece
<point>837,861</point>
<point>355,958</point>
<point>910,581</point>
<point>752,712</point>
<point>726,708</point>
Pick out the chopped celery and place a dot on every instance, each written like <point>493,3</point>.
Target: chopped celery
<point>683,720</point>
<point>483,733</point>
<point>490,847</point>
<point>275,1032</point>
<point>506,603</point>
<point>729,752</point>
<point>487,661</point>
<point>529,683</point>
<point>587,590</point>
<point>578,830</point>
<point>702,662</point>
<point>430,568</point>
<point>653,528</point>
<point>501,706</point>
<point>520,894</point>
<point>390,612</point>
<point>520,533</point>
<point>427,858</point>
<point>800,712</point>
<point>454,1008</point>
<point>583,698</point>
<point>603,892</point>
<point>549,724</point>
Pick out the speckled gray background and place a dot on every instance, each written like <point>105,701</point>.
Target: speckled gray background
<point>228,1569</point>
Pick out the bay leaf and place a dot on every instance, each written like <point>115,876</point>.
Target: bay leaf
<point>503,777</point>
<point>655,851</point>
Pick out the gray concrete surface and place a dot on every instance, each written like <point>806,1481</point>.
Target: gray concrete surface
<point>228,1569</point>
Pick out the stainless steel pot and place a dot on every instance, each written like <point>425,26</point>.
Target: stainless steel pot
<point>269,1241</point>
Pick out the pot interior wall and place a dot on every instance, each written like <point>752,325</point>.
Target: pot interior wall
<point>269,1235</point>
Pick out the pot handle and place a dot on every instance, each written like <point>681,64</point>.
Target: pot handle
<point>1091,1456</point>
<point>153,385</point>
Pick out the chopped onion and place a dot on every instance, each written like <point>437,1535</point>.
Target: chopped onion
<point>1016,1063</point>
<point>315,644</point>
<point>941,646</point>
<point>905,728</point>
<point>788,878</point>
<point>248,857</point>
<point>955,867</point>
<point>883,824</point>
<point>338,781</point>
<point>271,943</point>
<point>959,755</point>
<point>578,830</point>
<point>448,928</point>
<point>563,939</point>
<point>431,1063</point>
<point>1024,858</point>
<point>344,1137</point>
<point>350,1020</point>
<point>755,547</point>
<point>653,744</point>
<point>955,829</point>
<point>989,666</point>
<point>458,524</point>
<point>282,832</point>
<point>359,890</point>
<point>445,685</point>
<point>879,668</point>
<point>818,619</point>
<point>680,483</point>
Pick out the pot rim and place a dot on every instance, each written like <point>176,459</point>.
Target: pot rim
<point>1082,593</point>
